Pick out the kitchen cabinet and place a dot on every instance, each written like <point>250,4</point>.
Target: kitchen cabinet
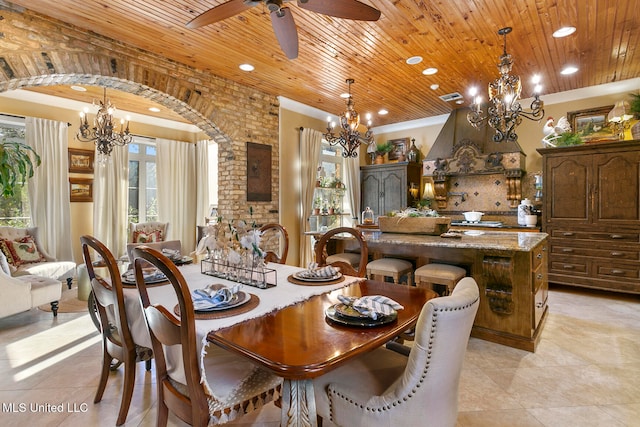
<point>591,211</point>
<point>386,187</point>
<point>510,269</point>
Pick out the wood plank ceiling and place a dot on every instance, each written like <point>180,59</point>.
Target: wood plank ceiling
<point>458,37</point>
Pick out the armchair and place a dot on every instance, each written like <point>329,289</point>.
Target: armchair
<point>384,388</point>
<point>147,232</point>
<point>26,256</point>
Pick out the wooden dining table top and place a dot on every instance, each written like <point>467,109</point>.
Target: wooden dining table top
<point>299,342</point>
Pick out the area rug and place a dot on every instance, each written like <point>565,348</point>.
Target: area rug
<point>69,303</point>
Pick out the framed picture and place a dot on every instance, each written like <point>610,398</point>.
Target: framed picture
<point>81,189</point>
<point>592,124</point>
<point>400,147</point>
<point>258,172</point>
<point>80,161</point>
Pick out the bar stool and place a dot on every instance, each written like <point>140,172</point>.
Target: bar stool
<point>390,267</point>
<point>439,274</point>
<point>350,258</point>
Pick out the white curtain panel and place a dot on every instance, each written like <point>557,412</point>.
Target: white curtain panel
<point>110,200</point>
<point>310,143</point>
<point>352,182</point>
<point>202,181</point>
<point>49,187</point>
<point>176,171</point>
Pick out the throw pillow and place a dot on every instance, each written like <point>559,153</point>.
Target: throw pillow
<point>6,251</point>
<point>24,251</point>
<point>142,237</point>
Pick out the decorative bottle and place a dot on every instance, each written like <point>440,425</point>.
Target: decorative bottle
<point>413,155</point>
<point>523,210</point>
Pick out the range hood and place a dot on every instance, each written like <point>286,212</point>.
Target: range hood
<point>461,149</point>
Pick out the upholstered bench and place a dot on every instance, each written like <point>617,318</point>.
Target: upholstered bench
<point>26,256</point>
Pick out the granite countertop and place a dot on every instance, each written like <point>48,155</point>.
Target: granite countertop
<point>472,239</point>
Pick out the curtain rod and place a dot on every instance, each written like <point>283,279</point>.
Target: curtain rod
<point>21,117</point>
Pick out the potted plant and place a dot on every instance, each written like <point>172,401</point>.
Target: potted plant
<point>382,149</point>
<point>317,203</point>
<point>16,164</point>
<point>634,107</point>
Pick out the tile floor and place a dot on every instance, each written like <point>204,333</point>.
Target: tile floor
<point>586,372</point>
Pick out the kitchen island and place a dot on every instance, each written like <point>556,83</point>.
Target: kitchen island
<point>509,267</point>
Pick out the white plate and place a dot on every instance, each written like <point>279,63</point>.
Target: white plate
<point>299,276</point>
<point>474,233</point>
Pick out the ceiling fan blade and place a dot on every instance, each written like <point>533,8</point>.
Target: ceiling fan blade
<point>220,12</point>
<point>347,9</point>
<point>285,30</point>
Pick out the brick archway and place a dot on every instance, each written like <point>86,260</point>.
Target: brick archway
<point>41,51</point>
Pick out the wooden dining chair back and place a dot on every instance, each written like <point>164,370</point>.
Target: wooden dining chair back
<point>274,236</point>
<point>345,267</point>
<point>117,343</point>
<point>182,389</point>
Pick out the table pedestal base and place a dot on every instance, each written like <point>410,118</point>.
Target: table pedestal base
<point>298,403</point>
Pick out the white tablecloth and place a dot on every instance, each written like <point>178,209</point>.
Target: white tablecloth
<point>282,295</point>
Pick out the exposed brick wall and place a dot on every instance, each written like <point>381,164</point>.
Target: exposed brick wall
<point>39,51</point>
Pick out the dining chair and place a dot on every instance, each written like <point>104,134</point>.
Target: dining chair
<point>117,343</point>
<point>385,388</point>
<point>345,267</point>
<point>231,385</point>
<point>271,232</point>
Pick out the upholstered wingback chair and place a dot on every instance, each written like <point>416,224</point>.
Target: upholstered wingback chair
<point>147,232</point>
<point>385,388</point>
<point>26,256</point>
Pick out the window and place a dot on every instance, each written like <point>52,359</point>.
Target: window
<point>14,211</point>
<point>143,187</point>
<point>331,167</point>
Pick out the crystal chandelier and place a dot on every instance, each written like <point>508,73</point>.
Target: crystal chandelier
<point>349,138</point>
<point>504,112</point>
<point>102,132</point>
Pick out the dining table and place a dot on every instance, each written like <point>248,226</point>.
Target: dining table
<point>286,329</point>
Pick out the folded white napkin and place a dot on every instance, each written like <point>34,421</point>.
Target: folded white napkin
<point>213,296</point>
<point>319,272</point>
<point>372,306</point>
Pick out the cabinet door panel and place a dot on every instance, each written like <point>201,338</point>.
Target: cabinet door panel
<point>371,192</point>
<point>393,187</point>
<point>618,186</point>
<point>567,198</point>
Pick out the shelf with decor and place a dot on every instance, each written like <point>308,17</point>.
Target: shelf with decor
<point>328,208</point>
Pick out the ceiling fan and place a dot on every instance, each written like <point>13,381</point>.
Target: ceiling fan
<point>282,19</point>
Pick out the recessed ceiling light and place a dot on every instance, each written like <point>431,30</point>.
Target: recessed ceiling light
<point>569,69</point>
<point>414,60</point>
<point>383,112</point>
<point>247,67</point>
<point>79,88</point>
<point>154,109</point>
<point>429,71</point>
<point>434,86</point>
<point>344,95</point>
<point>564,32</point>
<point>460,101</point>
